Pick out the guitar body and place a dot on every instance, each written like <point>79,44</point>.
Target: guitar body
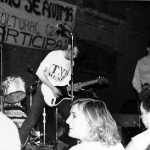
<point>51,100</point>
<point>49,97</point>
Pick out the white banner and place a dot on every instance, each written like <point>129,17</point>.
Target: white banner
<point>35,23</point>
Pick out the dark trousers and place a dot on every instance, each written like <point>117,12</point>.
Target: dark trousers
<point>33,116</point>
<point>35,112</point>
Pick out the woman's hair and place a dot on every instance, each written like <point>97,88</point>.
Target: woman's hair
<point>146,104</point>
<point>101,125</point>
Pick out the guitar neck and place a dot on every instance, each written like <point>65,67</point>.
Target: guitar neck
<point>85,83</point>
<point>78,86</point>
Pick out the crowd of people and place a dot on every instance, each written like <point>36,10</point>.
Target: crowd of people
<point>91,124</point>
<point>90,121</point>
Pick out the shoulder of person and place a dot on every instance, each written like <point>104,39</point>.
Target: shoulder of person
<point>78,147</point>
<point>141,61</point>
<point>145,58</point>
<point>74,148</point>
<point>54,52</point>
<point>89,146</point>
<point>6,121</point>
<point>142,134</point>
<point>119,146</point>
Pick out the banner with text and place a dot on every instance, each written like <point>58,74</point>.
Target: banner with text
<point>43,24</point>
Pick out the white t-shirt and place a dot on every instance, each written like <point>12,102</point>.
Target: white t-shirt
<point>9,135</point>
<point>142,140</point>
<point>58,68</point>
<point>142,73</point>
<point>96,146</point>
<point>58,72</point>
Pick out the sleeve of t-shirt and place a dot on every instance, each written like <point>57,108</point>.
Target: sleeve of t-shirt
<point>47,60</point>
<point>136,79</point>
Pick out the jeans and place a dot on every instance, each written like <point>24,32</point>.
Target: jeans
<point>35,111</point>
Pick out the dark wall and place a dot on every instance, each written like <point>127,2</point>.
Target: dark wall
<point>125,43</point>
<point>17,60</point>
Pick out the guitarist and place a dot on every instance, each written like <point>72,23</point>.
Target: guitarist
<point>141,78</point>
<point>54,70</point>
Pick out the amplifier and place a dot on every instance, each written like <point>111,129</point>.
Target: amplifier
<point>126,120</point>
<point>39,147</point>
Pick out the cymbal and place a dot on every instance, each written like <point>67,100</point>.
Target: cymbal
<point>15,97</point>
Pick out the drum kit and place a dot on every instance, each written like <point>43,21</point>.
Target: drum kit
<point>14,89</point>
<point>14,92</point>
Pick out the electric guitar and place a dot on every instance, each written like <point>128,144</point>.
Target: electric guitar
<point>51,100</point>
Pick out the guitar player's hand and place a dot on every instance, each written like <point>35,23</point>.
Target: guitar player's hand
<point>56,92</point>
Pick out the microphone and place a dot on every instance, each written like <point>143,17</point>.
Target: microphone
<point>61,29</point>
<point>30,70</point>
<point>59,25</point>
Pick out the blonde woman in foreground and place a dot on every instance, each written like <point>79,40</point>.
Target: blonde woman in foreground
<point>91,123</point>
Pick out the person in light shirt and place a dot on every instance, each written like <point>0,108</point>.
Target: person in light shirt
<point>142,140</point>
<point>53,71</point>
<point>141,78</point>
<point>91,123</point>
<point>9,135</point>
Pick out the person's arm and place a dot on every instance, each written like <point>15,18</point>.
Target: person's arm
<point>136,79</point>
<point>42,76</point>
<point>9,139</point>
<point>131,146</point>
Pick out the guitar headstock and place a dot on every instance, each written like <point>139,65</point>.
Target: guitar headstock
<point>102,80</point>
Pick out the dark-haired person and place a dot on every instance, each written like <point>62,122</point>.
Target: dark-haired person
<point>141,79</point>
<point>54,70</point>
<point>91,123</point>
<point>142,140</point>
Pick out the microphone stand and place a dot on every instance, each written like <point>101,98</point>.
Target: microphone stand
<point>62,31</point>
<point>2,90</point>
<point>72,37</point>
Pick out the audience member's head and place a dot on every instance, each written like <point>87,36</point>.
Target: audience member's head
<point>91,121</point>
<point>141,141</point>
<point>145,111</point>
